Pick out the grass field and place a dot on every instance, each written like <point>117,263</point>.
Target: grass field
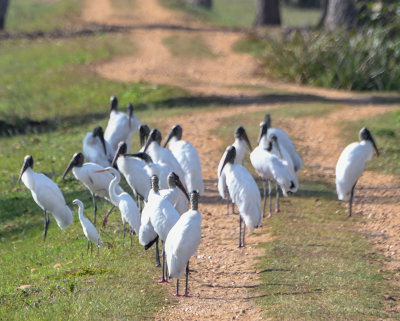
<point>317,260</point>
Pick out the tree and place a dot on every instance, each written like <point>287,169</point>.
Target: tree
<point>267,13</point>
<point>340,14</point>
<point>206,4</point>
<point>3,12</point>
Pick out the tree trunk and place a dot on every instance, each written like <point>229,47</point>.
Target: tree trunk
<point>340,14</point>
<point>206,4</point>
<point>267,13</point>
<point>3,12</point>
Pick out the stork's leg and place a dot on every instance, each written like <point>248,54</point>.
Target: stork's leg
<point>187,280</point>
<point>107,215</point>
<point>351,200</point>
<point>164,271</point>
<point>277,198</point>
<point>46,224</point>
<point>157,254</point>
<point>91,248</point>
<point>244,232</point>
<point>88,247</point>
<point>123,233</point>
<point>95,208</point>
<point>131,235</point>
<point>177,288</point>
<point>270,198</point>
<point>233,208</point>
<point>227,206</point>
<point>265,195</point>
<point>240,230</point>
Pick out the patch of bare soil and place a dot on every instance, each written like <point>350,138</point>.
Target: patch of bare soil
<point>224,280</point>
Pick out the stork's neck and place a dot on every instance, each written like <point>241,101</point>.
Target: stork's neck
<point>241,150</point>
<point>173,139</point>
<point>28,178</point>
<point>368,147</point>
<point>263,142</point>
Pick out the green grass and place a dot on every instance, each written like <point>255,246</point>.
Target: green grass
<point>239,13</point>
<point>317,267</point>
<point>188,47</point>
<point>386,131</point>
<point>35,15</point>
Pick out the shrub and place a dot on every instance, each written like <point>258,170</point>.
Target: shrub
<point>368,59</point>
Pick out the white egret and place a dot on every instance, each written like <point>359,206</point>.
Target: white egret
<point>273,168</point>
<point>188,157</point>
<point>242,146</point>
<point>47,195</point>
<point>120,126</point>
<point>351,165</point>
<point>182,242</point>
<point>244,193</point>
<point>88,228</point>
<point>129,211</point>
<point>96,149</point>
<point>97,184</point>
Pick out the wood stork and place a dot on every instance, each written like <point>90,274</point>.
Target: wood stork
<point>161,154</point>
<point>176,194</point>
<point>162,217</point>
<point>182,242</point>
<point>243,191</point>
<point>120,126</point>
<point>284,141</point>
<point>273,168</point>
<point>129,211</point>
<point>88,228</point>
<point>242,146</point>
<point>351,165</point>
<point>97,184</point>
<point>96,149</point>
<point>47,195</point>
<point>188,158</point>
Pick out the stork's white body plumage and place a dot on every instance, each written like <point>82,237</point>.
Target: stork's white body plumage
<point>48,196</point>
<point>244,193</point>
<point>89,229</point>
<point>350,167</point>
<point>94,150</point>
<point>182,242</point>
<point>189,160</point>
<point>118,129</point>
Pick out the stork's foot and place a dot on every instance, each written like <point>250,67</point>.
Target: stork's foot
<point>270,214</point>
<point>162,281</point>
<point>277,210</point>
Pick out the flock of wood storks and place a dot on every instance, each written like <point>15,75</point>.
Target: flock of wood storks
<point>160,178</point>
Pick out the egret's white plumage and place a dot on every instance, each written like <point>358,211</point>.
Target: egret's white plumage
<point>129,211</point>
<point>46,194</point>
<point>188,158</point>
<point>121,126</point>
<point>242,146</point>
<point>161,154</point>
<point>351,165</point>
<point>97,183</point>
<point>96,149</point>
<point>88,228</point>
<point>182,241</point>
<point>243,191</point>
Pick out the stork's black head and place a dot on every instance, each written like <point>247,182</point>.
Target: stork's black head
<point>144,132</point>
<point>129,109</point>
<point>263,131</point>
<point>28,162</point>
<point>267,120</point>
<point>229,157</point>
<point>174,180</point>
<point>194,200</point>
<point>76,161</point>
<point>113,103</point>
<point>240,133</point>
<point>121,150</point>
<point>155,136</point>
<point>365,134</point>
<point>176,131</point>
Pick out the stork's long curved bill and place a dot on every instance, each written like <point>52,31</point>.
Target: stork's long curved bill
<point>229,157</point>
<point>263,131</point>
<point>144,156</point>
<point>375,147</point>
<point>23,169</point>
<point>149,245</point>
<point>149,140</point>
<point>246,139</point>
<point>70,166</point>
<point>170,135</point>
<point>181,187</point>
<point>130,114</point>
